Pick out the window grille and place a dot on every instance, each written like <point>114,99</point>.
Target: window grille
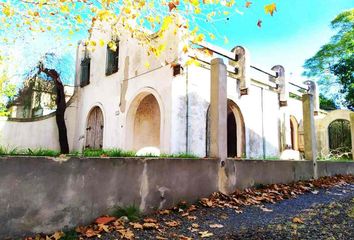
<point>112,60</point>
<point>85,72</point>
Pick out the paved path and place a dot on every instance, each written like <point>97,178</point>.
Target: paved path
<point>322,214</point>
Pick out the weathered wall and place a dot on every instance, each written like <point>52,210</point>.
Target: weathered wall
<point>37,133</point>
<point>322,124</point>
<point>42,195</point>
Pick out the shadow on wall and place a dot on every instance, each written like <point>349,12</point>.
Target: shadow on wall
<point>241,138</point>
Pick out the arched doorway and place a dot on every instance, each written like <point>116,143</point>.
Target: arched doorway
<point>147,122</point>
<point>231,133</point>
<point>294,128</point>
<point>94,129</point>
<point>235,131</point>
<point>339,136</point>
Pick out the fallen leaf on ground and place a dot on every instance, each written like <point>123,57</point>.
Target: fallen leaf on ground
<point>58,235</point>
<point>216,225</point>
<point>136,225</point>
<point>297,220</point>
<point>150,220</point>
<point>91,233</point>
<point>195,225</point>
<point>205,234</point>
<point>105,220</point>
<point>191,218</point>
<point>149,225</point>
<point>172,223</point>
<point>181,237</point>
<point>126,234</point>
<point>103,227</point>
<point>264,209</point>
<point>164,212</point>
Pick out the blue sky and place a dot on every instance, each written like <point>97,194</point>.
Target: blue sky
<point>295,33</point>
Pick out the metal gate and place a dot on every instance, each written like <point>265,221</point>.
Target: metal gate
<point>340,136</point>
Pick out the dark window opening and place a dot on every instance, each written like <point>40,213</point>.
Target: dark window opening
<point>85,72</point>
<point>112,60</point>
<point>231,134</point>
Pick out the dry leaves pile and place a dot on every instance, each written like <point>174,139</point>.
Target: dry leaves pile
<point>250,196</point>
<point>272,193</point>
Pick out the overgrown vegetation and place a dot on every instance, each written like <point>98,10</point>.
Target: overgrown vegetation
<point>86,153</point>
<point>107,153</point>
<point>28,152</point>
<point>132,212</point>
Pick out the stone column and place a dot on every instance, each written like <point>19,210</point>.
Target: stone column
<point>309,131</point>
<point>285,129</point>
<point>218,110</point>
<point>352,127</point>
<point>242,64</point>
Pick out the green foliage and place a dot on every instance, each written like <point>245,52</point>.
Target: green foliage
<point>132,212</point>
<point>70,235</point>
<point>326,103</point>
<point>28,152</point>
<point>86,153</point>
<point>108,153</point>
<point>333,63</point>
<point>41,152</point>
<point>7,91</point>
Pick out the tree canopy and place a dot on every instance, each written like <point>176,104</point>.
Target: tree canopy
<point>333,64</point>
<point>25,17</point>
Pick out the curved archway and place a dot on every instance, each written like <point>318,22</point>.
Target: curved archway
<point>235,131</point>
<point>94,129</point>
<point>144,122</point>
<point>294,128</point>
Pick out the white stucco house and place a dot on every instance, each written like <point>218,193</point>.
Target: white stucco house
<point>122,102</point>
<point>165,106</point>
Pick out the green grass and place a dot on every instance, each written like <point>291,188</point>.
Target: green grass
<point>132,212</point>
<point>86,153</point>
<point>28,152</point>
<point>108,153</point>
<point>179,155</point>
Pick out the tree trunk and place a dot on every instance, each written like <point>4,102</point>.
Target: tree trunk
<point>60,111</point>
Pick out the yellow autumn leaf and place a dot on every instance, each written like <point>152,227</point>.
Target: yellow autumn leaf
<point>147,64</point>
<point>185,49</point>
<point>101,43</point>
<point>212,36</point>
<point>270,8</point>
<point>79,19</point>
<point>8,11</point>
<point>64,9</point>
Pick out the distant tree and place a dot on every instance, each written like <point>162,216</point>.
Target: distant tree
<point>327,104</point>
<point>333,64</point>
<point>7,91</point>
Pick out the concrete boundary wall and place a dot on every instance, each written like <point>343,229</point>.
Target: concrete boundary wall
<point>38,194</point>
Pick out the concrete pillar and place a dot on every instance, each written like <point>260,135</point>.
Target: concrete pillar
<point>313,89</point>
<point>283,88</point>
<point>309,131</point>
<point>352,127</point>
<point>218,110</point>
<point>242,64</point>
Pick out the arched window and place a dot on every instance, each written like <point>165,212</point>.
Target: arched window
<point>339,136</point>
